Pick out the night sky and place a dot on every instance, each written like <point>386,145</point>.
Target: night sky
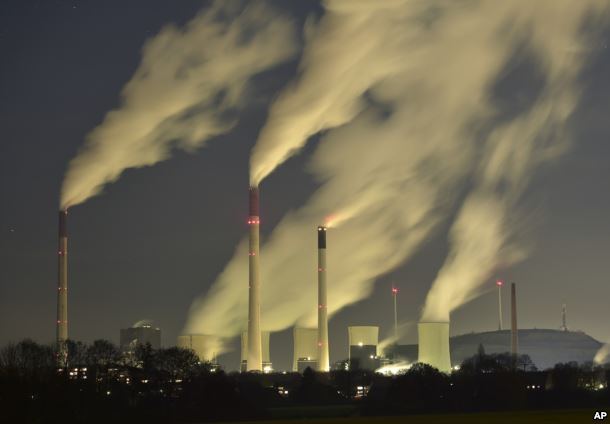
<point>158,238</point>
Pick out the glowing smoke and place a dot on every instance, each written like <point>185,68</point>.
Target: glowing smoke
<point>404,90</point>
<point>188,82</point>
<point>602,355</point>
<point>395,369</point>
<point>484,237</point>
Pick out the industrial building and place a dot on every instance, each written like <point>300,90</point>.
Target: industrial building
<point>203,345</point>
<point>433,346</point>
<point>266,360</point>
<point>544,346</point>
<point>141,333</point>
<point>363,341</point>
<point>305,349</point>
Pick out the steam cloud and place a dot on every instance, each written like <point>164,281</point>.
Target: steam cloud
<point>483,237</point>
<point>404,90</point>
<point>188,82</point>
<point>602,355</point>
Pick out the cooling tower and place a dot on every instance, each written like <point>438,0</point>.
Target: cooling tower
<point>205,346</point>
<point>323,351</point>
<point>305,345</point>
<point>514,345</point>
<point>245,347</point>
<point>254,358</point>
<point>434,345</point>
<point>363,341</point>
<point>62,291</point>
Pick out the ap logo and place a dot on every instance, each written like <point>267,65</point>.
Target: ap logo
<point>600,415</point>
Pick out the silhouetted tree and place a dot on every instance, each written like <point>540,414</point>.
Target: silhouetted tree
<point>422,387</point>
<point>102,354</point>
<point>176,362</point>
<point>77,353</point>
<point>145,356</point>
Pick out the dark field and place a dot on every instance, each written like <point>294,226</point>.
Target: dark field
<point>543,417</point>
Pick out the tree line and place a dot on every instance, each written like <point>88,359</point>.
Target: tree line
<point>102,384</point>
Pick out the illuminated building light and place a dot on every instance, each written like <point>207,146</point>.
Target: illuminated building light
<point>360,344</point>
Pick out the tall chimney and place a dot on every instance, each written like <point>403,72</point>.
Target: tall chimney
<point>254,361</point>
<point>62,291</point>
<point>514,345</point>
<point>323,355</point>
<point>499,283</point>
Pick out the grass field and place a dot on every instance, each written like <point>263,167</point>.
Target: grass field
<point>542,417</point>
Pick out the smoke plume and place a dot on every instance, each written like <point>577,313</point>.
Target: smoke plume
<point>404,91</point>
<point>485,235</point>
<point>602,355</point>
<point>188,84</point>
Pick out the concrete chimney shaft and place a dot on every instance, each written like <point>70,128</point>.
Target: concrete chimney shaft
<point>323,351</point>
<point>254,362</point>
<point>62,291</point>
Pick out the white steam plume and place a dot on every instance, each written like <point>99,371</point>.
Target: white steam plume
<point>404,121</point>
<point>602,355</point>
<point>341,61</point>
<point>484,236</point>
<point>187,83</point>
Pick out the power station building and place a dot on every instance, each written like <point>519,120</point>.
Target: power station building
<point>266,361</point>
<point>546,347</point>
<point>363,341</point>
<point>305,349</point>
<point>141,333</point>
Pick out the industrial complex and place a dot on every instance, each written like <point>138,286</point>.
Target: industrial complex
<point>312,346</point>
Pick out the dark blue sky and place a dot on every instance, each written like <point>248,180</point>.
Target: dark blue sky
<point>158,238</point>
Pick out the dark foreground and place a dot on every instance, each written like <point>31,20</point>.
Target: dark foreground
<point>542,417</point>
<point>103,385</point>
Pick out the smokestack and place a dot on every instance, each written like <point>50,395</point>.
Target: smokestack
<point>433,345</point>
<point>514,345</point>
<point>499,283</point>
<point>62,291</point>
<point>254,361</point>
<point>323,354</point>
